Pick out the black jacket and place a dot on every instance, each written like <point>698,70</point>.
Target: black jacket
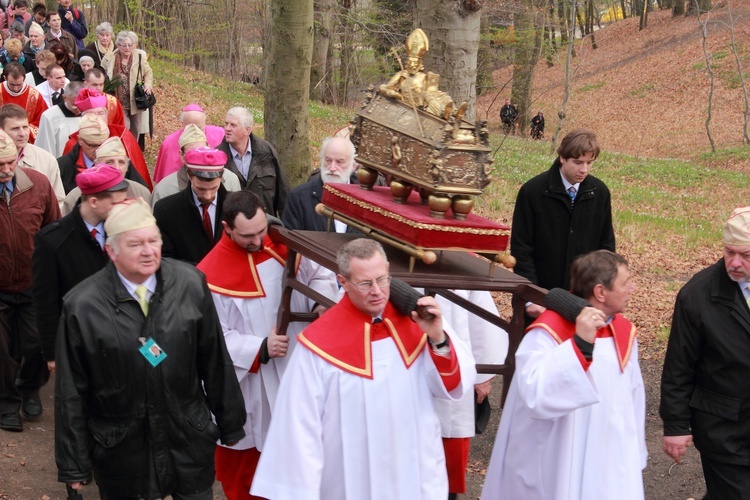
<point>547,234</point>
<point>123,417</point>
<point>181,225</point>
<point>299,212</point>
<point>69,170</point>
<point>64,255</point>
<point>266,178</point>
<point>704,388</point>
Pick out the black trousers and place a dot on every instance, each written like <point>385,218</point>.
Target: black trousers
<point>726,481</point>
<point>22,368</point>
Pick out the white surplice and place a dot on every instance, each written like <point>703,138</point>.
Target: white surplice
<point>247,321</point>
<point>340,436</point>
<point>566,433</point>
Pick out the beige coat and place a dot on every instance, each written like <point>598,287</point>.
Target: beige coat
<point>108,63</point>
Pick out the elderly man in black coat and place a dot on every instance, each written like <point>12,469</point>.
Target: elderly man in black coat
<point>336,167</point>
<point>190,221</point>
<point>705,396</point>
<point>561,214</point>
<point>145,384</point>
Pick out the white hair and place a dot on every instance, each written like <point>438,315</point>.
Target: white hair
<point>105,27</point>
<point>242,114</point>
<point>324,147</point>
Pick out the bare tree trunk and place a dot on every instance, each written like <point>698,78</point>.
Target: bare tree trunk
<point>678,9</point>
<point>321,41</point>
<point>566,92</point>
<point>624,11</point>
<point>739,72</point>
<point>288,85</point>
<point>704,36</point>
<point>644,16</point>
<point>346,52</point>
<point>453,32</point>
<point>526,54</point>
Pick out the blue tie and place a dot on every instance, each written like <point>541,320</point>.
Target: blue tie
<point>572,194</point>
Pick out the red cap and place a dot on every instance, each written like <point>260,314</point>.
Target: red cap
<point>100,178</point>
<point>205,162</point>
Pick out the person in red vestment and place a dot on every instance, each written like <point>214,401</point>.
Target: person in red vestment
<point>15,91</point>
<point>91,101</point>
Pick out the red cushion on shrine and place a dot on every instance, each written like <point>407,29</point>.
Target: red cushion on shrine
<point>411,223</point>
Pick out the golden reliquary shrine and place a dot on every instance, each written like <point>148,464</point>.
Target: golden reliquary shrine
<point>435,162</point>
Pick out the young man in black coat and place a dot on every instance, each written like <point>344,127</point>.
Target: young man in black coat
<point>190,221</point>
<point>68,251</point>
<point>561,214</point>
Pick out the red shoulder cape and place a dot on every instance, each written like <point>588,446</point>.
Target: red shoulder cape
<point>342,337</point>
<point>231,270</point>
<point>622,330</point>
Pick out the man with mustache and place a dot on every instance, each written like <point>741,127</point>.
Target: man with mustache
<point>705,397</point>
<point>27,203</point>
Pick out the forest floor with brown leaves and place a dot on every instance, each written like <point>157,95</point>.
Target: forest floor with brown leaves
<point>644,93</point>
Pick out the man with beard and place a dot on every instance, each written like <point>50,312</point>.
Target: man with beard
<point>247,299</point>
<point>336,167</point>
<point>705,397</point>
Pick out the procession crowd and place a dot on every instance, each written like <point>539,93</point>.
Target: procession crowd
<point>154,300</point>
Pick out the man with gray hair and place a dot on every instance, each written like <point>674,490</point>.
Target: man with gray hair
<point>336,166</point>
<point>142,366</point>
<point>354,416</point>
<point>253,160</point>
<point>705,397</point>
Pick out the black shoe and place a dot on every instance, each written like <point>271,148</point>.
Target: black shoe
<point>31,407</point>
<point>11,422</point>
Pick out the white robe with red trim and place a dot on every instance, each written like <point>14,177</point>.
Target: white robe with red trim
<point>336,435</point>
<point>247,321</point>
<point>566,433</point>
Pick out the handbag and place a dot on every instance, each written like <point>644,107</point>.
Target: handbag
<point>142,99</point>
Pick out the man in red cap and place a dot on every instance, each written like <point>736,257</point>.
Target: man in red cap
<point>92,101</point>
<point>168,159</point>
<point>71,249</point>
<point>190,221</point>
<point>27,203</point>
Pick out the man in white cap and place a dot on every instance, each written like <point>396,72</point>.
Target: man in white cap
<point>247,300</point>
<point>58,122</point>
<point>705,395</point>
<point>190,221</point>
<point>143,372</point>
<point>71,249</point>
<point>94,102</point>
<point>91,135</point>
<point>111,152</point>
<point>15,122</point>
<point>27,203</point>
<point>168,160</point>
<point>192,137</point>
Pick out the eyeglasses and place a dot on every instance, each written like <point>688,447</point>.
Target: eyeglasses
<point>87,143</point>
<point>366,286</point>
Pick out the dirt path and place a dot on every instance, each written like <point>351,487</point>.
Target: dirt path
<point>27,462</point>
